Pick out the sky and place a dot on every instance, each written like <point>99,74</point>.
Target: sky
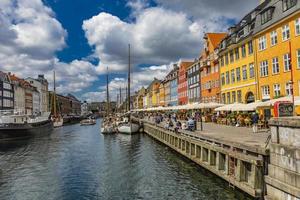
<point>80,39</point>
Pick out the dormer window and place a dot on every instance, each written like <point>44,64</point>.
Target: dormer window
<point>267,15</point>
<point>287,4</point>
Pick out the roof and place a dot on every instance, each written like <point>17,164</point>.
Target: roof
<point>216,38</point>
<point>185,64</point>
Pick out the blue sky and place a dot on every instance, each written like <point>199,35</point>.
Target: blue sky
<point>80,38</point>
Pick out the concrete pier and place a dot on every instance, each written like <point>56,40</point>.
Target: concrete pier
<point>242,165</point>
<point>283,180</point>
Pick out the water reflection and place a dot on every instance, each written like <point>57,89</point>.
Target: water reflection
<point>77,162</point>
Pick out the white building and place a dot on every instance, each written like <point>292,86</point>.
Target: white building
<point>19,93</point>
<point>36,106</point>
<point>41,85</point>
<point>84,108</point>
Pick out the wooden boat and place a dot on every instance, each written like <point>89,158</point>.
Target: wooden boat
<point>128,127</point>
<point>56,117</point>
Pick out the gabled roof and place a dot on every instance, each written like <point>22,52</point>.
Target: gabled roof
<point>216,38</point>
<point>185,64</point>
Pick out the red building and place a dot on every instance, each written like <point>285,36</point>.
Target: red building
<point>182,83</point>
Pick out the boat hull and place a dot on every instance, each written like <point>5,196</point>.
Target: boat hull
<point>8,131</point>
<point>129,129</point>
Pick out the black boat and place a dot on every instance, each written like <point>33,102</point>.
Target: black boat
<point>22,126</point>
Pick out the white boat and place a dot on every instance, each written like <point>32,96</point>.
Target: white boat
<point>87,122</point>
<point>57,121</point>
<point>108,130</point>
<point>129,128</point>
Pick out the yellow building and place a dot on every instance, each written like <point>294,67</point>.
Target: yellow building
<point>153,93</point>
<point>162,94</point>
<point>277,36</point>
<point>237,61</point>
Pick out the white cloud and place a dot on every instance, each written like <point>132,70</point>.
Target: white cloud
<point>157,36</point>
<point>30,35</point>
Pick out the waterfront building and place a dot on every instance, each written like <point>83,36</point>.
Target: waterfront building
<point>29,90</point>
<point>277,37</point>
<point>139,98</point>
<point>75,104</point>
<point>162,93</point>
<point>145,99</point>
<point>172,84</point>
<point>7,92</point>
<point>182,82</point>
<point>209,68</point>
<point>41,85</point>
<point>19,93</point>
<point>84,108</point>
<point>237,61</point>
<point>167,92</point>
<point>193,78</point>
<point>35,100</point>
<point>153,93</point>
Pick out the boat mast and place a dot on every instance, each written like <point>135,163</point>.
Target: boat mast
<point>54,96</point>
<point>107,95</point>
<point>128,93</point>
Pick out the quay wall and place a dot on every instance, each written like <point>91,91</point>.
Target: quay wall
<point>241,167</point>
<point>283,180</point>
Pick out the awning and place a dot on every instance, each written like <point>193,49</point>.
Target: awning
<point>231,107</point>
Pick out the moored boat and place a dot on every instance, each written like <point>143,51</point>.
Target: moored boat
<point>129,128</point>
<point>87,122</point>
<point>22,126</point>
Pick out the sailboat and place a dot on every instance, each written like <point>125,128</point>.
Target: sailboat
<point>127,126</point>
<point>107,126</point>
<point>56,117</point>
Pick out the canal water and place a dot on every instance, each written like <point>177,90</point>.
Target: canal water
<point>77,162</point>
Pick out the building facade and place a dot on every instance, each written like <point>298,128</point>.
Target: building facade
<point>238,68</point>
<point>41,85</point>
<point>194,82</point>
<point>209,68</point>
<point>182,83</point>
<point>162,93</point>
<point>19,93</point>
<point>172,78</point>
<point>6,92</point>
<point>277,37</point>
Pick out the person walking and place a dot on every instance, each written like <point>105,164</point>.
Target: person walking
<point>255,118</point>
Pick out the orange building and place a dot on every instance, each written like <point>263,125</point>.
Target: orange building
<point>209,68</point>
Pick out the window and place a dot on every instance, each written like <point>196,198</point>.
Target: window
<point>232,76</point>
<point>275,65</point>
<point>276,90</point>
<point>226,58</point>
<point>287,4</point>
<point>222,61</point>
<point>273,38</point>
<point>244,72</point>
<point>231,57</point>
<point>250,47</point>
<point>237,53</point>
<point>251,70</point>
<point>228,97</point>
<point>227,78</point>
<point>238,74</point>
<point>286,62</point>
<point>233,97</point>
<point>298,58</point>
<point>264,68</point>
<point>223,98</point>
<point>239,96</point>
<point>288,89</point>
<point>266,16</point>
<point>265,92</point>
<point>285,32</point>
<point>262,43</point>
<point>243,51</point>
<point>223,79</point>
<point>297,26</point>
